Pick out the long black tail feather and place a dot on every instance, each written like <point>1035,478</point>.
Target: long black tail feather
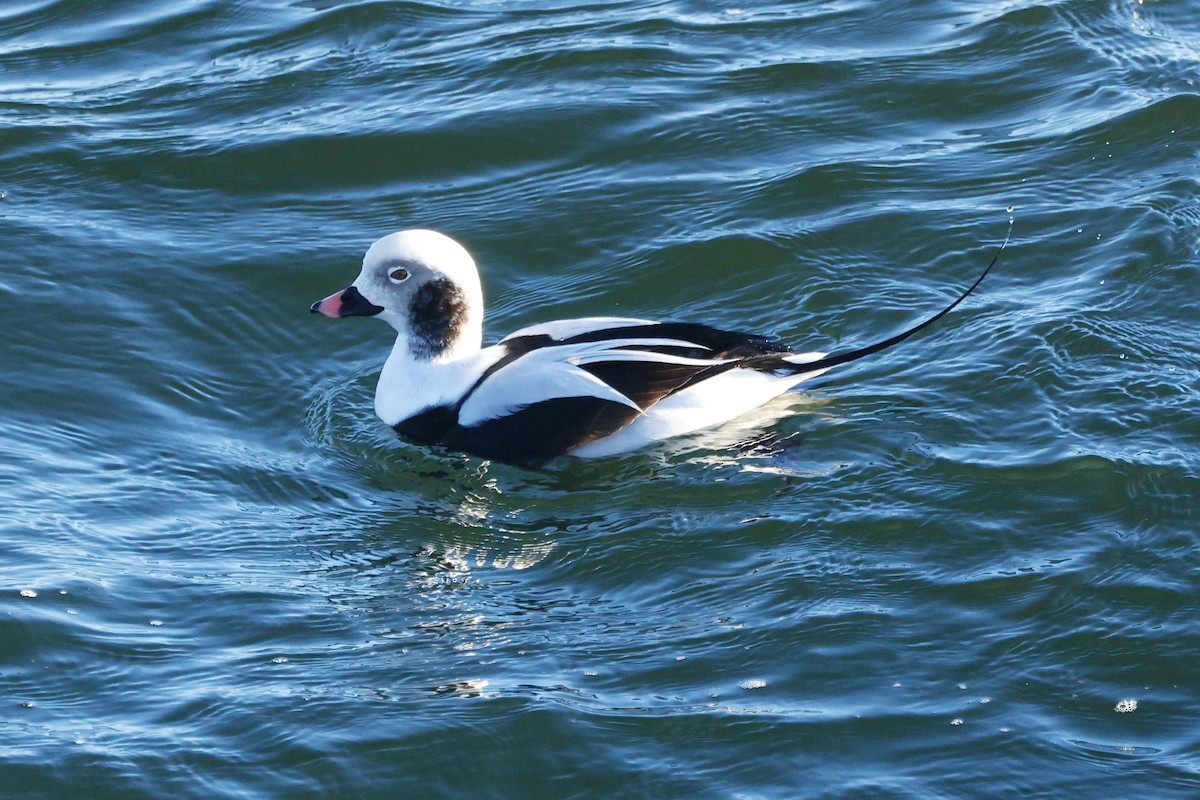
<point>862,352</point>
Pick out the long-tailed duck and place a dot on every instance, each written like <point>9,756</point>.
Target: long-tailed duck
<point>585,387</point>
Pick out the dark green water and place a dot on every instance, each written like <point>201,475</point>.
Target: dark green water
<point>221,577</point>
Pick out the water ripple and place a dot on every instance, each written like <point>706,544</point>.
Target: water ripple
<point>944,571</point>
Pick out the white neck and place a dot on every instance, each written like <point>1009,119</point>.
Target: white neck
<point>409,385</point>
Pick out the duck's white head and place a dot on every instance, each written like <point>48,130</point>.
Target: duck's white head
<point>425,285</point>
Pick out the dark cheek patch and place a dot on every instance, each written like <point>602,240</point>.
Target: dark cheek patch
<point>437,314</point>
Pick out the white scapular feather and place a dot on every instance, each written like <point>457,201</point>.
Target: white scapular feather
<point>566,328</point>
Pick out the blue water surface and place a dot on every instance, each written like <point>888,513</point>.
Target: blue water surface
<point>967,567</point>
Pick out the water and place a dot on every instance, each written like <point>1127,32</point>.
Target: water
<point>946,575</point>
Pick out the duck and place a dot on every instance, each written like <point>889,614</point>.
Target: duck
<point>588,387</point>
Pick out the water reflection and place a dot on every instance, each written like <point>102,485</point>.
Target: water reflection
<point>451,505</point>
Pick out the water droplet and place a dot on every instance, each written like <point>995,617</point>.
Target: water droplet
<point>956,721</point>
<point>985,700</point>
<point>961,685</point>
<point>1125,706</point>
<point>1010,209</point>
<point>156,622</point>
<point>753,683</point>
<point>28,593</point>
<point>279,660</point>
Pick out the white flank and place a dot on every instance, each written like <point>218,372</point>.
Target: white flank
<point>705,405</point>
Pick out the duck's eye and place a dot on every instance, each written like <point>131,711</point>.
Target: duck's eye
<point>398,274</point>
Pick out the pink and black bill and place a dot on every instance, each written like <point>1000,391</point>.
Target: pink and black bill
<point>346,303</point>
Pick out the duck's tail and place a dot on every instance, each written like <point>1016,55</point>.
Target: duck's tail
<point>835,359</point>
